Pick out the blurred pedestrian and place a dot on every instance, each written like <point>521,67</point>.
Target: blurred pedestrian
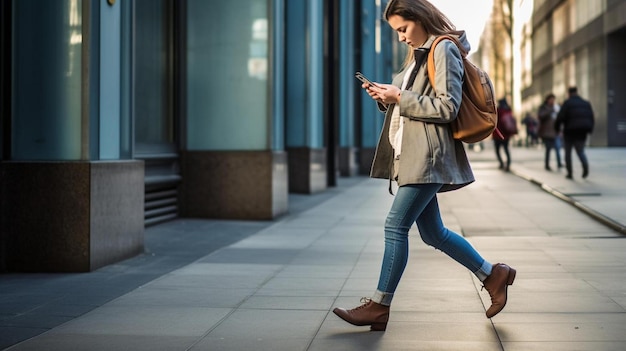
<point>507,127</point>
<point>577,120</point>
<point>531,124</point>
<point>547,116</point>
<point>417,150</point>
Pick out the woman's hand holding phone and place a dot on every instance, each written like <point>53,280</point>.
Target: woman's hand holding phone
<point>384,93</point>
<point>366,82</point>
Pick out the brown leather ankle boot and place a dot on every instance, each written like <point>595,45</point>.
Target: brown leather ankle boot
<point>369,313</point>
<point>496,284</point>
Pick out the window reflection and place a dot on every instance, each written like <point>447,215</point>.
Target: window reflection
<point>257,63</point>
<point>76,35</point>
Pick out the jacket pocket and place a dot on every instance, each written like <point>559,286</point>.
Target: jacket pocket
<point>429,142</point>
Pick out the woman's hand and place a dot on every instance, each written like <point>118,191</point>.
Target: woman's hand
<point>383,93</point>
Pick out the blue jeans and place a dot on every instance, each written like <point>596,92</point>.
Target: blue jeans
<point>417,203</point>
<point>552,143</point>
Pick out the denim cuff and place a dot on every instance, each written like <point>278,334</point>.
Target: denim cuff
<point>484,271</point>
<point>382,298</point>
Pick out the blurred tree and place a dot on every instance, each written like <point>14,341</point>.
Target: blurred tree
<point>502,44</point>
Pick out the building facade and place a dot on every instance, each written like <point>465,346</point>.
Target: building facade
<point>115,115</point>
<point>578,43</point>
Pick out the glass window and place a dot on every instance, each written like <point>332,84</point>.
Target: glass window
<point>561,26</point>
<point>541,40</point>
<point>46,80</point>
<point>154,127</point>
<point>227,73</point>
<point>586,11</point>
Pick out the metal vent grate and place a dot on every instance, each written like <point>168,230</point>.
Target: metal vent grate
<point>162,179</point>
<point>161,203</point>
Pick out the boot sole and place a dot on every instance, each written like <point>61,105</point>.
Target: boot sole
<point>378,327</point>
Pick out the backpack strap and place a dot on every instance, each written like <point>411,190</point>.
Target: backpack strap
<point>431,55</point>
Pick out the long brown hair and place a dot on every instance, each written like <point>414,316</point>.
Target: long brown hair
<point>422,11</point>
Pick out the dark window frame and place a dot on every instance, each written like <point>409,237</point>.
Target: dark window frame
<point>5,79</point>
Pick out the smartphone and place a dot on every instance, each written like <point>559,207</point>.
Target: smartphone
<point>363,79</point>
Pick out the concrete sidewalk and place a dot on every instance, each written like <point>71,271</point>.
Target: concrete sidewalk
<point>275,289</point>
<point>602,195</point>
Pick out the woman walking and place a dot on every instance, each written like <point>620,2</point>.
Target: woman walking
<point>507,127</point>
<point>416,149</point>
<point>547,117</point>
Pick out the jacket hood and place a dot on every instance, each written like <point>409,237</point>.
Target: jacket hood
<point>459,34</point>
<point>463,39</point>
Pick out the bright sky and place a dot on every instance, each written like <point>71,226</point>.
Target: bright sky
<point>467,15</point>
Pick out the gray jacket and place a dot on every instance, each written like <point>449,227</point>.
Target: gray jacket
<point>429,152</point>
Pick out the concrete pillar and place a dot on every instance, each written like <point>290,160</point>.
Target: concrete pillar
<point>70,202</point>
<point>304,96</point>
<point>233,163</point>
